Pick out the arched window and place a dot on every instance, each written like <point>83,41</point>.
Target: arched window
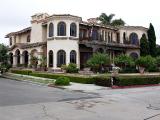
<point>134,55</point>
<point>94,34</point>
<point>73,56</point>
<point>28,38</point>
<point>61,58</point>
<point>133,38</point>
<point>50,54</point>
<point>73,30</point>
<point>61,29</point>
<point>51,30</point>
<point>100,50</point>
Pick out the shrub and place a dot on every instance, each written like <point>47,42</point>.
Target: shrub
<point>146,61</point>
<point>23,72</point>
<point>134,80</point>
<point>62,81</point>
<point>71,68</point>
<point>124,60</point>
<point>102,81</point>
<point>98,61</point>
<point>129,70</point>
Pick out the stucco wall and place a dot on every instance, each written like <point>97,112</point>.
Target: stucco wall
<point>129,30</point>
<point>66,45</point>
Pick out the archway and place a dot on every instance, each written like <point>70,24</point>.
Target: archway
<point>25,58</point>
<point>11,58</point>
<point>134,55</point>
<point>18,57</point>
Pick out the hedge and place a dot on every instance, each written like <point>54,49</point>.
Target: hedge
<point>134,80</point>
<point>84,80</point>
<point>23,72</point>
<point>99,80</point>
<point>102,81</point>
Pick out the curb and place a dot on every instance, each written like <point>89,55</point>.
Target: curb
<point>134,86</point>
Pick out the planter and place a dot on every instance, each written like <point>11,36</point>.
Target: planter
<point>141,70</point>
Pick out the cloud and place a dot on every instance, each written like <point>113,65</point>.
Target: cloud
<point>15,14</point>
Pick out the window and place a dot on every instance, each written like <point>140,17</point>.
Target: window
<point>94,34</point>
<point>50,58</point>
<point>118,38</point>
<point>73,56</point>
<point>28,38</point>
<point>73,30</point>
<point>61,58</point>
<point>124,36</point>
<point>133,38</point>
<point>10,41</point>
<point>134,55</point>
<point>61,29</point>
<point>109,38</point>
<point>50,30</point>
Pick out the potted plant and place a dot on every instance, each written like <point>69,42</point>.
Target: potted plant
<point>43,64</point>
<point>34,61</point>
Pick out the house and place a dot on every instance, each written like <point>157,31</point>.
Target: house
<point>65,38</point>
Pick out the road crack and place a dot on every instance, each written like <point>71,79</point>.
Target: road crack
<point>53,117</point>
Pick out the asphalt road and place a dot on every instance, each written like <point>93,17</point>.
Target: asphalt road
<point>19,93</point>
<point>24,101</point>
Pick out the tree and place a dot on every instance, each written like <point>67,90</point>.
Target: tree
<point>152,40</point>
<point>107,20</point>
<point>3,57</point>
<point>144,46</point>
<point>124,60</point>
<point>118,22</point>
<point>148,62</point>
<point>98,60</point>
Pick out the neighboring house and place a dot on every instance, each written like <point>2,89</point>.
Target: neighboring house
<point>65,39</point>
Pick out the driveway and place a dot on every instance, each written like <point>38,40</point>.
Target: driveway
<point>24,101</point>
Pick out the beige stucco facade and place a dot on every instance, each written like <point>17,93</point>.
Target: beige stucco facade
<point>36,41</point>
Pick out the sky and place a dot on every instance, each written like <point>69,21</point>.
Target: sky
<point>16,14</point>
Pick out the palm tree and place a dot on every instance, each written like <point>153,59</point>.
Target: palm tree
<point>118,22</point>
<point>106,19</point>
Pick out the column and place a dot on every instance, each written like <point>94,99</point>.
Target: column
<point>29,57</point>
<point>14,60</point>
<point>40,54</point>
<point>78,59</point>
<point>54,59</point>
<point>67,57</point>
<point>21,59</point>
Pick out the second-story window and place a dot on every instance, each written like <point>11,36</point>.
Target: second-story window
<point>28,38</point>
<point>133,38</point>
<point>61,29</point>
<point>50,30</point>
<point>94,34</point>
<point>73,30</point>
<point>10,40</point>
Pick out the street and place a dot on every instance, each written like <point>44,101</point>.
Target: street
<point>25,101</point>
